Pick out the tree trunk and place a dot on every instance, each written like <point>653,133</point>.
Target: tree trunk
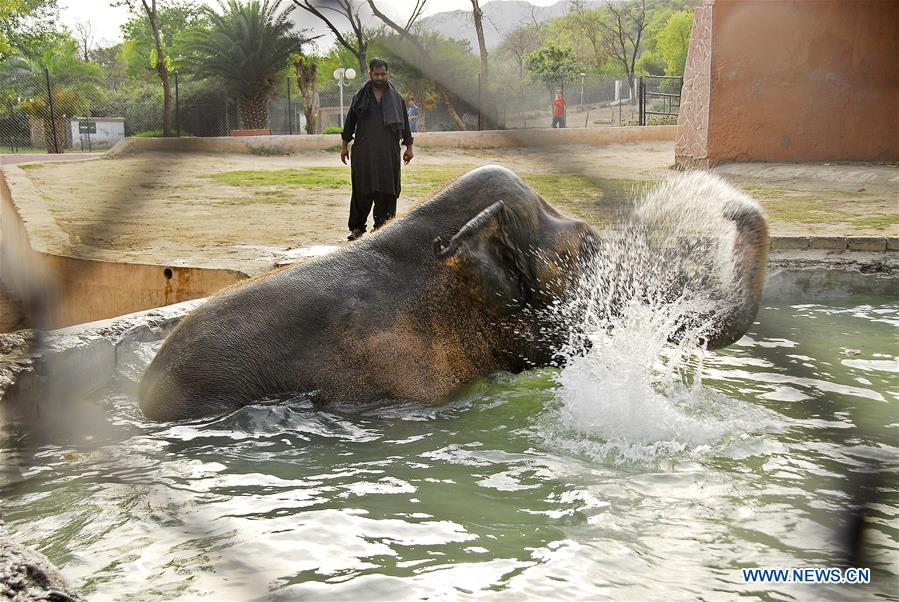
<point>61,123</point>
<point>162,69</point>
<point>450,108</point>
<point>482,78</point>
<point>166,102</point>
<point>254,113</point>
<point>362,56</point>
<point>307,81</point>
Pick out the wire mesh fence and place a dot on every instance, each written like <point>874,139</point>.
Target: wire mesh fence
<point>45,113</point>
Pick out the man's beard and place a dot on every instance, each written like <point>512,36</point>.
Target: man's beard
<point>379,83</point>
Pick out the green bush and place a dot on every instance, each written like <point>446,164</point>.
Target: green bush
<point>332,130</point>
<point>157,134</point>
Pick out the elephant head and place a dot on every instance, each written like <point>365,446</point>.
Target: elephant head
<point>529,266</point>
<point>517,260</point>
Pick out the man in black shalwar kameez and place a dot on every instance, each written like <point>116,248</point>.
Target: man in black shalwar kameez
<point>378,120</point>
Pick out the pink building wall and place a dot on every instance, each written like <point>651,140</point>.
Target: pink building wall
<point>791,80</point>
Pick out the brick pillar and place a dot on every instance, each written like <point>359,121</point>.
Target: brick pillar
<point>691,145</point>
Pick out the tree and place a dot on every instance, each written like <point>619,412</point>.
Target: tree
<point>674,40</point>
<point>649,64</point>
<point>84,33</point>
<point>306,69</point>
<point>590,26</point>
<point>27,25</point>
<point>111,61</point>
<point>424,57</point>
<point>553,65</point>
<point>483,81</point>
<point>248,46</point>
<point>450,60</point>
<point>519,42</point>
<point>350,11</point>
<point>175,19</point>
<point>627,22</point>
<point>71,82</point>
<point>159,59</point>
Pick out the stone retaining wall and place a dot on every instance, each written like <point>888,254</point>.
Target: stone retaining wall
<point>835,243</point>
<point>282,145</point>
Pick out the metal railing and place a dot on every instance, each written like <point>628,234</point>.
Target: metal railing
<point>659,95</point>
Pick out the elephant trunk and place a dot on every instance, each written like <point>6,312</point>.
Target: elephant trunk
<point>750,255</point>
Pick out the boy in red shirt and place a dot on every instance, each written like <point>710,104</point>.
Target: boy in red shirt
<point>560,106</point>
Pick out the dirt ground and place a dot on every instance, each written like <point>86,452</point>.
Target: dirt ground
<point>163,208</point>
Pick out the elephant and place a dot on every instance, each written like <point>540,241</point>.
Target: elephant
<point>460,287</point>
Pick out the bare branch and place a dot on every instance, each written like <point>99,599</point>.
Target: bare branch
<point>416,13</point>
<point>84,31</point>
<point>624,43</point>
<point>347,11</point>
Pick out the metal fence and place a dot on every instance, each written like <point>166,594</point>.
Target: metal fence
<point>659,96</point>
<point>43,113</point>
<point>592,100</point>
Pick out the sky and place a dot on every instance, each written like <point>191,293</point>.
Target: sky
<point>106,20</point>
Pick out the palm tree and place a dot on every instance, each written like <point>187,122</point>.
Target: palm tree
<point>71,81</point>
<point>248,46</point>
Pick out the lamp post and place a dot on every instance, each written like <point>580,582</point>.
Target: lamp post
<point>341,74</point>
<point>583,75</point>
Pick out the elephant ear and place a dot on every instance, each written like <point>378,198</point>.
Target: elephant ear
<point>487,260</point>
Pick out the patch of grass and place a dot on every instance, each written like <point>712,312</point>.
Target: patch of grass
<point>852,194</point>
<point>152,185</point>
<point>424,180</point>
<point>767,192</point>
<point>332,149</point>
<point>561,188</point>
<point>790,206</point>
<point>309,177</point>
<point>878,222</point>
<point>159,134</point>
<point>264,150</point>
<point>30,166</point>
<point>275,197</point>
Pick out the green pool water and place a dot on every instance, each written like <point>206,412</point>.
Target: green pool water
<point>542,485</point>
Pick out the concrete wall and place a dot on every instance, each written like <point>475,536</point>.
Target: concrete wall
<point>73,290</point>
<point>793,81</point>
<point>486,139</point>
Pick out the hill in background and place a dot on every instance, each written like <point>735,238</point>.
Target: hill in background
<point>500,17</point>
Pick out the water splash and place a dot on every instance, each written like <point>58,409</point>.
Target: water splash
<point>631,386</point>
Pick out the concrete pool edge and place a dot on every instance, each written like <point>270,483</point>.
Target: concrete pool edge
<point>82,289</point>
<point>84,355</point>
